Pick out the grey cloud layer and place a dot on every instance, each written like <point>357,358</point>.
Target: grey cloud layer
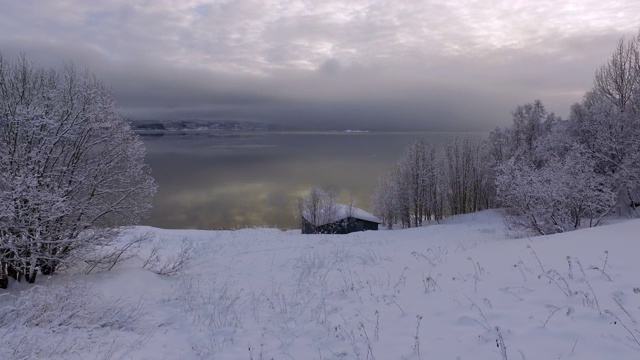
<point>326,64</point>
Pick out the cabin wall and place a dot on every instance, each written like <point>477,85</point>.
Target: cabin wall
<point>307,228</point>
<point>344,226</point>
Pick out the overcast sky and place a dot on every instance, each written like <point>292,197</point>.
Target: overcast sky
<point>367,64</point>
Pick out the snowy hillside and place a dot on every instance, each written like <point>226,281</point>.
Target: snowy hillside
<point>459,290</point>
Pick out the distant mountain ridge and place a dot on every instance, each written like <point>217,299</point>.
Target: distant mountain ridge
<point>202,125</point>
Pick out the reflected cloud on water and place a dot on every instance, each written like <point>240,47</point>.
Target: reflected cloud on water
<point>247,180</point>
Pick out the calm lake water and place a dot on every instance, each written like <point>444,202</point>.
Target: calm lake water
<point>235,180</point>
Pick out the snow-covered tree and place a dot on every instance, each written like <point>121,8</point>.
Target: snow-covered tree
<point>467,180</point>
<point>499,145</point>
<point>607,122</point>
<point>531,122</point>
<point>385,200</point>
<point>424,186</point>
<point>319,207</point>
<point>71,168</point>
<point>553,178</point>
<point>554,196</point>
<point>417,179</point>
<point>617,80</point>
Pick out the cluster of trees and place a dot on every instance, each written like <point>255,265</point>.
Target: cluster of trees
<point>71,168</point>
<point>426,185</point>
<point>551,175</point>
<point>545,179</point>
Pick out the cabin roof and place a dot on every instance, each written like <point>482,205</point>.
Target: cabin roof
<point>344,212</point>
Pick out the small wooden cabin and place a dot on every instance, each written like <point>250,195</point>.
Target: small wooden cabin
<point>347,220</point>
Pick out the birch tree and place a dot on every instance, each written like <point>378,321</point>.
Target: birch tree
<point>468,185</point>
<point>319,207</point>
<point>385,200</point>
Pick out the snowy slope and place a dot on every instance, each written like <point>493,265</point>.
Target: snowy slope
<point>438,292</point>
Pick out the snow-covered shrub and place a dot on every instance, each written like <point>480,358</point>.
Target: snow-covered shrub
<point>55,321</point>
<point>71,168</point>
<point>556,196</point>
<point>66,306</point>
<point>210,305</point>
<point>609,135</point>
<point>170,264</point>
<point>107,257</point>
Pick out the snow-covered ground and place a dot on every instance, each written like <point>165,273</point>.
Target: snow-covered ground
<point>458,290</point>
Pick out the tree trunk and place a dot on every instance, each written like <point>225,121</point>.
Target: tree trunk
<point>31,278</point>
<point>4,277</point>
<point>11,271</point>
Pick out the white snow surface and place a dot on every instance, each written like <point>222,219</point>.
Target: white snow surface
<point>436,292</point>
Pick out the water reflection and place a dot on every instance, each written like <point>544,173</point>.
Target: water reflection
<point>227,181</point>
